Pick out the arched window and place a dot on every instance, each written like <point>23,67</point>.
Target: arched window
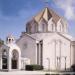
<point>14,54</point>
<point>31,27</point>
<point>51,25</point>
<point>59,27</point>
<point>62,27</point>
<point>4,54</point>
<point>4,59</point>
<point>42,27</point>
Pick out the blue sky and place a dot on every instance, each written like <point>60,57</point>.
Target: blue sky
<point>15,13</point>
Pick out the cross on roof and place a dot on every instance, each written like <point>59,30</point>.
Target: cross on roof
<point>46,2</point>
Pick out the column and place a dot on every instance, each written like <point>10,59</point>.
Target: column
<point>19,62</point>
<point>60,52</point>
<point>48,59</point>
<point>55,52</point>
<point>65,62</point>
<point>38,53</point>
<point>0,60</point>
<point>70,54</point>
<point>9,60</point>
<point>0,63</point>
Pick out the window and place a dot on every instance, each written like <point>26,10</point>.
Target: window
<point>41,52</point>
<point>4,59</point>
<point>4,54</point>
<point>14,54</point>
<point>9,40</point>
<point>25,45</point>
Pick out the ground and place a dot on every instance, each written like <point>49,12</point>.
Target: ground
<point>33,73</point>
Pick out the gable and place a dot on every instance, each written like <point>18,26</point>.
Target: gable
<point>67,36</point>
<point>25,40</point>
<point>25,37</point>
<point>58,37</point>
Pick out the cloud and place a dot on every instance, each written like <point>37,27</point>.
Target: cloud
<point>69,13</point>
<point>68,6</point>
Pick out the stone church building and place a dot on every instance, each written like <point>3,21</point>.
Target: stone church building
<point>46,42</point>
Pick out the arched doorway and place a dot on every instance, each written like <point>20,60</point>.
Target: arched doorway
<point>14,59</point>
<point>4,59</point>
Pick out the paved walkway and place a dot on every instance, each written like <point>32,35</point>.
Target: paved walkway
<point>32,73</point>
<point>23,73</point>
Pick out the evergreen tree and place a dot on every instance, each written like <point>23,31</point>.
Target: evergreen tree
<point>1,42</point>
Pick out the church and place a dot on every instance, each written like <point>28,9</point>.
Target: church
<point>45,42</point>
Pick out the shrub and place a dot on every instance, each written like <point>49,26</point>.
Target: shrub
<point>73,68</point>
<point>47,74</point>
<point>34,67</point>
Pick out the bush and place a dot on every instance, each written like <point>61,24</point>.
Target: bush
<point>34,67</point>
<point>73,68</point>
<point>47,74</point>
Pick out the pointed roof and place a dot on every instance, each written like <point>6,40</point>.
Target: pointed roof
<point>47,14</point>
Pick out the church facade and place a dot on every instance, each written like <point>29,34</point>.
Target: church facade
<point>46,42</point>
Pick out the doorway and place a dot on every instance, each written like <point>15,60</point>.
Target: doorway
<point>4,63</point>
<point>14,64</point>
<point>14,59</point>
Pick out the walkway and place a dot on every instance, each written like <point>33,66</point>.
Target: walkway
<point>32,73</point>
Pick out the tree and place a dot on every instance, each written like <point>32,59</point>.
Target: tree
<point>1,42</point>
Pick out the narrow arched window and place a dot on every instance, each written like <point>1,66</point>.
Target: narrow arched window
<point>4,54</point>
<point>4,59</point>
<point>59,27</point>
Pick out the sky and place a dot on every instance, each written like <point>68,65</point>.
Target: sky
<point>14,14</point>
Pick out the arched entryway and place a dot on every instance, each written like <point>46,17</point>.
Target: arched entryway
<point>4,59</point>
<point>14,60</point>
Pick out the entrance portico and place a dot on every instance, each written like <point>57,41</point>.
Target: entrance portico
<point>10,59</point>
<point>14,59</point>
<point>10,55</point>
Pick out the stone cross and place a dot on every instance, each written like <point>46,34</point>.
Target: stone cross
<point>46,2</point>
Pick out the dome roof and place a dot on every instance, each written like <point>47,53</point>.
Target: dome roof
<point>46,14</point>
<point>46,21</point>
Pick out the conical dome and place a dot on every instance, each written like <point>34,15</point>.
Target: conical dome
<point>47,14</point>
<point>46,21</point>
